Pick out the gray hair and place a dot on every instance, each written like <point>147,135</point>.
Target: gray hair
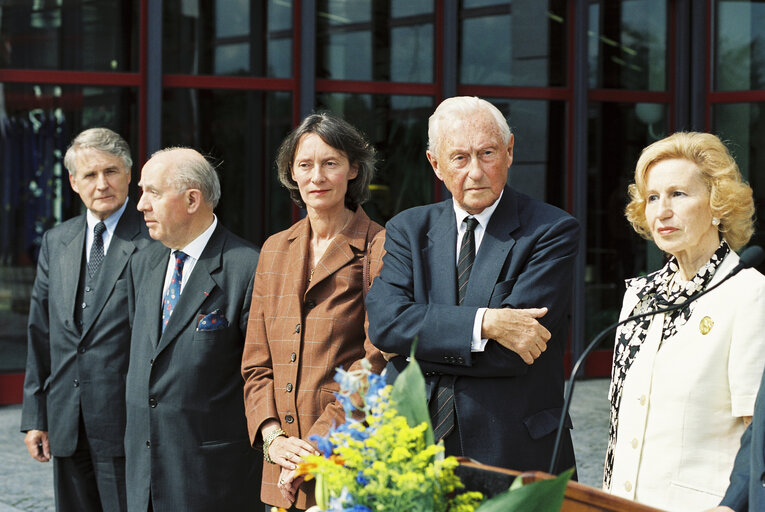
<point>100,139</point>
<point>461,107</point>
<point>342,136</point>
<point>193,170</point>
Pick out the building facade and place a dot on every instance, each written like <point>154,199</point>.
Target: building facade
<point>585,84</point>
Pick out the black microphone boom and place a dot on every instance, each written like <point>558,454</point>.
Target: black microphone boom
<point>751,257</point>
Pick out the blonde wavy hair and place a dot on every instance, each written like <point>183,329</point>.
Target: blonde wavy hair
<point>730,197</point>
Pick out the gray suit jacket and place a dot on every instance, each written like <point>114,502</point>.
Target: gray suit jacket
<point>186,442</point>
<point>747,481</point>
<point>68,370</point>
<point>507,411</point>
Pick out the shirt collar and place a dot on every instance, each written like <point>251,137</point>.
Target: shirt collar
<point>110,222</point>
<point>482,218</point>
<point>195,248</point>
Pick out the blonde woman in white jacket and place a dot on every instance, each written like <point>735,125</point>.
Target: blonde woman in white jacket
<point>684,383</point>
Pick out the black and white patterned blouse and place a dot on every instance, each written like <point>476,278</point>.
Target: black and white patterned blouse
<point>657,290</point>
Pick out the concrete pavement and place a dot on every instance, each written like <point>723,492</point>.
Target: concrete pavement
<point>27,485</point>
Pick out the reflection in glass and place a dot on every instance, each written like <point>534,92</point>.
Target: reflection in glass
<point>397,126</point>
<point>628,44</point>
<point>94,35</point>
<point>381,40</point>
<point>513,43</point>
<point>742,127</point>
<point>241,131</point>
<point>539,159</point>
<point>36,127</point>
<point>228,37</point>
<point>617,134</point>
<point>739,54</point>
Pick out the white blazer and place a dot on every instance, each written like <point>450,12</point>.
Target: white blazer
<point>679,417</point>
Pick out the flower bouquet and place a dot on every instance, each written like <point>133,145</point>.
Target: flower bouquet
<point>383,457</point>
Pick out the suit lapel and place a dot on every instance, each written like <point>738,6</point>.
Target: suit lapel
<point>197,289</point>
<point>340,251</point>
<point>71,263</point>
<point>297,267</point>
<point>120,249</point>
<point>150,293</point>
<point>492,254</point>
<point>441,256</point>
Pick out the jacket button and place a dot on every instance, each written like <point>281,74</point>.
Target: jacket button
<point>81,350</point>
<point>88,288</point>
<point>151,362</point>
<point>76,383</point>
<point>310,303</point>
<point>293,357</point>
<point>627,486</point>
<point>635,443</point>
<point>289,387</point>
<point>762,479</point>
<point>297,328</point>
<point>148,444</point>
<point>152,402</point>
<point>289,418</point>
<point>83,305</point>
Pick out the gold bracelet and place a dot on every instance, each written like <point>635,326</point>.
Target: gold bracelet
<point>270,439</point>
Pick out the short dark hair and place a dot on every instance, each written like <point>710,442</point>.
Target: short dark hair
<point>341,135</point>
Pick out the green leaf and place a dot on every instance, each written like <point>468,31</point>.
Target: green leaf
<point>409,396</point>
<point>539,496</point>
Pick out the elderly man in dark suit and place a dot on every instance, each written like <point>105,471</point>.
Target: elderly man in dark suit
<point>186,442</point>
<point>483,281</point>
<point>746,491</point>
<point>79,342</point>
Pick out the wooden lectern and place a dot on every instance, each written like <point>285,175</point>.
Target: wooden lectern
<point>492,480</point>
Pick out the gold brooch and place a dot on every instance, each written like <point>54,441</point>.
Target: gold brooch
<point>706,325</point>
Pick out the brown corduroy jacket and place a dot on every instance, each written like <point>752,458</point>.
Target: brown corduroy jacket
<point>300,331</point>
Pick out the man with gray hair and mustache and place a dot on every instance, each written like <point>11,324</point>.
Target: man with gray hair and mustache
<point>78,335</point>
<point>186,442</point>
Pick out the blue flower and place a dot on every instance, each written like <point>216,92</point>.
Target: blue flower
<point>355,433</point>
<point>358,508</point>
<point>324,444</point>
<point>361,479</point>
<point>345,401</point>
<point>349,382</point>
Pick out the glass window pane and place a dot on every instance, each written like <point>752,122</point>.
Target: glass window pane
<point>618,133</point>
<point>92,35</point>
<point>35,193</point>
<point>241,131</point>
<point>739,52</point>
<point>519,43</point>
<point>397,126</point>
<point>742,127</point>
<point>539,162</point>
<point>628,44</point>
<point>381,40</point>
<point>228,37</point>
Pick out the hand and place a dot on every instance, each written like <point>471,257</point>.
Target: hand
<point>388,355</point>
<point>288,452</point>
<point>518,330</point>
<point>289,485</point>
<point>38,445</point>
<point>721,509</point>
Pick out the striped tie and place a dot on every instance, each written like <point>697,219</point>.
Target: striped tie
<point>466,258</point>
<point>442,404</point>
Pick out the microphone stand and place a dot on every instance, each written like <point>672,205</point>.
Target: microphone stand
<point>749,258</point>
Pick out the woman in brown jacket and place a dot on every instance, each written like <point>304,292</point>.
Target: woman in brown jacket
<point>308,316</point>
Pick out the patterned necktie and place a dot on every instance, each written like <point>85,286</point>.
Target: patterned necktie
<point>442,405</point>
<point>173,292</point>
<point>466,258</point>
<point>96,249</point>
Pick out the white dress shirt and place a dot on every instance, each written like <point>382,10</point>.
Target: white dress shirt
<point>477,344</point>
<point>193,251</point>
<point>111,224</point>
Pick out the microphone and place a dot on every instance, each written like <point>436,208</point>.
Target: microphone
<point>751,257</point>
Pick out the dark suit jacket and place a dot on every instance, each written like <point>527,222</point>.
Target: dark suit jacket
<point>507,411</point>
<point>67,369</point>
<point>747,481</point>
<point>186,440</point>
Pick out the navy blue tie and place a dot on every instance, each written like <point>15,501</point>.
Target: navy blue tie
<point>173,292</point>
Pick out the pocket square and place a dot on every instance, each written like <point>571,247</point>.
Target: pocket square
<point>212,321</point>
